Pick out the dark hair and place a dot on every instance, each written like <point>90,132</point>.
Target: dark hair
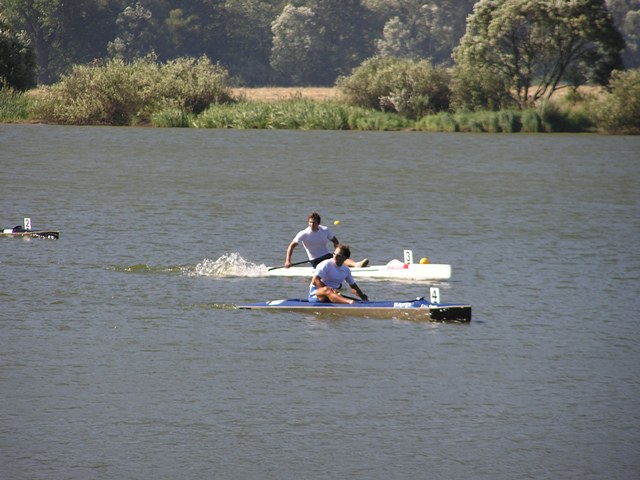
<point>344,248</point>
<point>315,216</point>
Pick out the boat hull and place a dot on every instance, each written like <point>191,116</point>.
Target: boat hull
<point>413,271</point>
<point>410,310</point>
<point>45,234</point>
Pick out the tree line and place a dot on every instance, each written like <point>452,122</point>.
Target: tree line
<point>269,42</point>
<point>422,59</point>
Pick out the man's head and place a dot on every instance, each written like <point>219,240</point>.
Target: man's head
<point>314,220</point>
<point>341,253</point>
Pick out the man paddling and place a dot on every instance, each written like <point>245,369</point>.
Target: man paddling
<point>328,276</point>
<point>314,239</point>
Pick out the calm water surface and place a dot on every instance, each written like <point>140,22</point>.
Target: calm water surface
<point>121,356</point>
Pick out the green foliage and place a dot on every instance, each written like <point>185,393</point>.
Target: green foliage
<point>372,120</point>
<point>531,122</point>
<point>419,29</point>
<point>410,88</point>
<point>555,119</point>
<point>297,114</point>
<point>296,45</point>
<point>530,46</point>
<point>293,114</point>
<point>440,122</point>
<point>626,14</point>
<point>171,117</point>
<point>15,106</point>
<point>135,33</point>
<point>476,87</point>
<point>122,93</point>
<point>506,121</point>
<point>619,110</point>
<point>17,59</point>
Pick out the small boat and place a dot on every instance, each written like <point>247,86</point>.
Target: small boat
<point>418,309</point>
<point>394,270</point>
<point>25,231</point>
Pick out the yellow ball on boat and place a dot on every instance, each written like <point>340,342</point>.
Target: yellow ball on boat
<point>337,222</point>
<point>424,260</point>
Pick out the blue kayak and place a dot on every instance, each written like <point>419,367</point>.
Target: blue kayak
<point>418,309</point>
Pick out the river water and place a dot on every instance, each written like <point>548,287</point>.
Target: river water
<point>122,357</point>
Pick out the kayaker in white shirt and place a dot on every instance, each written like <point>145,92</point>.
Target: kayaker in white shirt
<point>314,239</point>
<point>328,276</point>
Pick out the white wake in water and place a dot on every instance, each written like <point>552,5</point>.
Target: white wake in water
<point>230,265</point>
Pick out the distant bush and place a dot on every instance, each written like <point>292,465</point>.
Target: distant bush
<point>410,88</point>
<point>124,93</point>
<point>618,111</point>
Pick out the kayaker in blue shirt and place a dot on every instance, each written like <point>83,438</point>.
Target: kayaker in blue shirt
<point>314,239</point>
<point>328,276</point>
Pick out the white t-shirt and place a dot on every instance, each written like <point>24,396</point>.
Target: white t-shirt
<point>332,275</point>
<point>315,243</point>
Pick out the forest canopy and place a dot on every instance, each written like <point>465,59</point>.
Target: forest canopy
<point>268,42</point>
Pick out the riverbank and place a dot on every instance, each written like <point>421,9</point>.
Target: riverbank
<point>319,108</point>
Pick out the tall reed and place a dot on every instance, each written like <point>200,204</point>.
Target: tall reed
<point>15,106</point>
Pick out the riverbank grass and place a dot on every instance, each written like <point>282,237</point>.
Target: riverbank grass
<point>15,106</point>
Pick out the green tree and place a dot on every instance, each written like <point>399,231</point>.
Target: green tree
<point>41,20</point>
<point>63,33</point>
<point>136,26</point>
<point>296,45</point>
<point>420,29</point>
<point>532,46</point>
<point>626,14</point>
<point>248,30</point>
<point>345,27</point>
<point>17,59</point>
<point>316,43</point>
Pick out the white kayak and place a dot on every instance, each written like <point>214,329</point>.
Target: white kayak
<point>394,270</point>
<point>413,271</point>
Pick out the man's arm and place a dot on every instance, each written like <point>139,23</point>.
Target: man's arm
<point>287,260</point>
<point>356,289</point>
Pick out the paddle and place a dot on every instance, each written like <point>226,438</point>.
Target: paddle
<point>282,266</point>
<point>350,297</point>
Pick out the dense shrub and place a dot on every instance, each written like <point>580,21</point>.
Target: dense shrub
<point>618,111</point>
<point>123,93</point>
<point>410,88</point>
